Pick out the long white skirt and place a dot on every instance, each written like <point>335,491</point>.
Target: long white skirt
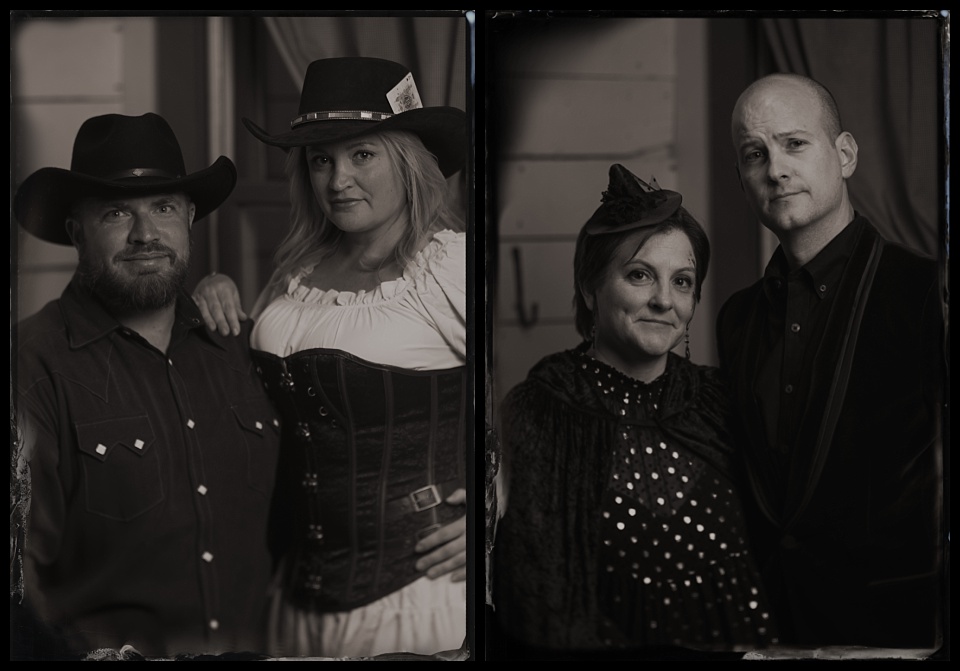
<point>425,617</point>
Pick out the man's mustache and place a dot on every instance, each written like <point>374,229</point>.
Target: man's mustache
<point>151,248</point>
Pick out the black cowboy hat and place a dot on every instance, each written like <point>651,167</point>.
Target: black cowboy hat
<point>116,155</point>
<point>630,203</point>
<point>347,97</point>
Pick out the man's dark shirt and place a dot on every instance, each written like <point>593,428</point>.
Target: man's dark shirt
<point>800,301</point>
<point>846,467</point>
<point>151,479</point>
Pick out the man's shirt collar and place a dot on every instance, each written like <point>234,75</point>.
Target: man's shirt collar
<point>822,273</point>
<point>88,321</point>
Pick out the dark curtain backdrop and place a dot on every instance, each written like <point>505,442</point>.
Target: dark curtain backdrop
<point>884,74</point>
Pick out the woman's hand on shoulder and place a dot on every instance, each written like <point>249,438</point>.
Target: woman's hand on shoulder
<point>218,299</point>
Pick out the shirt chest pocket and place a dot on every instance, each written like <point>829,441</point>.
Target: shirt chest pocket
<point>121,467</point>
<point>261,438</point>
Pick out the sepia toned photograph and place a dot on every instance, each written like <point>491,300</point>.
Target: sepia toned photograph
<point>242,336</point>
<point>717,359</point>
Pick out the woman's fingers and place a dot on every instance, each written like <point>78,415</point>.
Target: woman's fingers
<point>447,550</point>
<point>458,498</point>
<point>231,314</point>
<point>216,311</point>
<point>218,299</point>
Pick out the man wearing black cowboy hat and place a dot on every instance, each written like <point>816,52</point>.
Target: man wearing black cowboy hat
<point>150,442</point>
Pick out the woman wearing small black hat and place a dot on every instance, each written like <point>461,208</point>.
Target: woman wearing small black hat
<point>361,339</point>
<point>622,525</point>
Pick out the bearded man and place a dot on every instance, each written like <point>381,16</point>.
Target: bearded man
<point>150,443</point>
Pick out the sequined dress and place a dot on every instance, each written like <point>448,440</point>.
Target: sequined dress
<point>623,527</point>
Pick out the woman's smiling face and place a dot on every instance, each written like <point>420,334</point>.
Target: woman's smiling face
<point>645,300</point>
<point>356,184</point>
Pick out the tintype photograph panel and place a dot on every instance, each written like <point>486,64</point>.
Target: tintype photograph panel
<point>571,95</point>
<point>103,107</point>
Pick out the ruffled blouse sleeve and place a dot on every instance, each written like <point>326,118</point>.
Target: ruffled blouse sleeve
<point>443,289</point>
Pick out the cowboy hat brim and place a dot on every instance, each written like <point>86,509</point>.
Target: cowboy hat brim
<point>441,129</point>
<point>44,200</point>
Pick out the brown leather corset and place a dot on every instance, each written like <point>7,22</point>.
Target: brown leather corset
<point>368,454</point>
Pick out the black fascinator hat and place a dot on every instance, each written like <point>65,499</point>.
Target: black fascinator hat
<point>630,203</point>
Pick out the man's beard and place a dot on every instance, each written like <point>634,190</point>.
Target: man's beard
<point>122,294</point>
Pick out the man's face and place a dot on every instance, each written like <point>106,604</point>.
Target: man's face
<point>791,171</point>
<point>134,251</point>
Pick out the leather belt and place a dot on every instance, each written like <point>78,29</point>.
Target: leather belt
<point>420,500</point>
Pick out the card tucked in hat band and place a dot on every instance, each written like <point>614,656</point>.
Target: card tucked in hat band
<point>404,96</point>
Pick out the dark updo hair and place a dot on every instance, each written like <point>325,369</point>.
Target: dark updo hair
<point>595,252</point>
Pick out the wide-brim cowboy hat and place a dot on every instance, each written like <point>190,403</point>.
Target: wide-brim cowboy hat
<point>118,156</point>
<point>343,98</point>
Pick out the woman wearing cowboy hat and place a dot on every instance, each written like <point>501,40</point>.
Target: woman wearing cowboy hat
<point>361,340</point>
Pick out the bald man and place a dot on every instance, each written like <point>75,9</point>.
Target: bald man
<point>835,360</point>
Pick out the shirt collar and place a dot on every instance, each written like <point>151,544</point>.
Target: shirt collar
<point>88,321</point>
<point>822,272</point>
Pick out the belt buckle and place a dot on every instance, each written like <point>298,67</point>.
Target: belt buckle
<point>425,498</point>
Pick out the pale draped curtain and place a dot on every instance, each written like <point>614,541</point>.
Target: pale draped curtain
<point>885,76</point>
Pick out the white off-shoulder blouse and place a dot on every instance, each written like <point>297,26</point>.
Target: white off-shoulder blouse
<point>417,321</point>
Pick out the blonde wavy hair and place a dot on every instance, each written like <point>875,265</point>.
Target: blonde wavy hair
<point>313,237</point>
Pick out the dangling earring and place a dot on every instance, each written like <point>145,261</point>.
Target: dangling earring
<point>593,332</point>
<point>687,340</point>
